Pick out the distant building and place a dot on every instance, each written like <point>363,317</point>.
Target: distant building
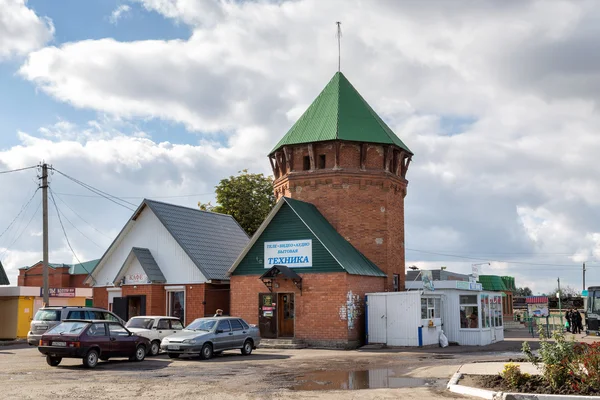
<point>3,278</point>
<point>437,275</point>
<point>59,275</point>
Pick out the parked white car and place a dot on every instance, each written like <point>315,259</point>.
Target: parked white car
<point>154,329</point>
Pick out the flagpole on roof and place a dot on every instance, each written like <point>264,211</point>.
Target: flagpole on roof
<point>339,38</point>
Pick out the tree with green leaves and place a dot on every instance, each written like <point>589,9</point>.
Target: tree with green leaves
<point>246,197</point>
<point>523,291</point>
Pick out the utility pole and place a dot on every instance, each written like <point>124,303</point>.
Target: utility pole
<point>583,276</point>
<point>559,304</point>
<point>44,178</point>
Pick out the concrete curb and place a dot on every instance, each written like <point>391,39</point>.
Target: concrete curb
<point>454,387</point>
<point>12,342</point>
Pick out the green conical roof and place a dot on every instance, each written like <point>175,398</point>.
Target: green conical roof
<point>340,113</point>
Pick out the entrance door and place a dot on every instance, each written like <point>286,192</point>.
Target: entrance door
<point>120,307</point>
<point>267,315</point>
<point>176,305</point>
<point>285,315</point>
<point>136,306</point>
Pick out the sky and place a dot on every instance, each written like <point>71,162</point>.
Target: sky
<point>498,100</point>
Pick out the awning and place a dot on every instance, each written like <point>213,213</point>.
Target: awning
<point>536,299</point>
<point>280,271</point>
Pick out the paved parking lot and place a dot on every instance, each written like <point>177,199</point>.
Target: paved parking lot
<point>266,374</point>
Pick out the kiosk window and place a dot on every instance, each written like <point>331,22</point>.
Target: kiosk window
<point>469,312</point>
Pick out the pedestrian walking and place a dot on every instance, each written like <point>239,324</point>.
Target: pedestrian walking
<point>578,321</point>
<point>568,324</point>
<point>219,313</point>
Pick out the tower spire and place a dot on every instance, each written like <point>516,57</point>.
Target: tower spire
<point>339,38</point>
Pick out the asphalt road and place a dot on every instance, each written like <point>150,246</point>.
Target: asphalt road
<point>266,374</point>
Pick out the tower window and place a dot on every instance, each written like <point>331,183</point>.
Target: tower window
<point>306,165</point>
<point>321,161</point>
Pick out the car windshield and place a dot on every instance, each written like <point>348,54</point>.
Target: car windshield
<point>201,325</point>
<point>47,315</point>
<point>143,323</point>
<point>68,328</point>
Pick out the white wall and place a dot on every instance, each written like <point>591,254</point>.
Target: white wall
<point>148,232</point>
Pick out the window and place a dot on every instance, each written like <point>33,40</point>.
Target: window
<point>47,315</point>
<point>202,324</point>
<point>396,282</point>
<point>469,312</point>
<point>163,324</point>
<point>176,324</point>
<point>224,326</point>
<point>176,304</point>
<point>143,323</point>
<point>94,315</point>
<point>485,315</point>
<point>77,315</point>
<point>97,330</point>
<point>117,330</point>
<point>236,325</point>
<point>306,163</point>
<point>322,162</point>
<point>244,324</point>
<point>68,328</point>
<point>109,317</point>
<point>430,308</point>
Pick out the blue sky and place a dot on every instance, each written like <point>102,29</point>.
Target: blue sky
<point>505,139</point>
<point>24,108</point>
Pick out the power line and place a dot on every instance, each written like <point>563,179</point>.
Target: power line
<point>20,212</point>
<point>80,217</point>
<point>24,229</point>
<point>99,192</point>
<point>136,197</point>
<point>489,259</point>
<point>17,170</point>
<point>59,215</point>
<point>67,238</point>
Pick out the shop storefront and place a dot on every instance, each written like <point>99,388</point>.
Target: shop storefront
<point>169,260</point>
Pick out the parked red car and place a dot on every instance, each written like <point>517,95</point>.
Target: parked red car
<point>91,340</point>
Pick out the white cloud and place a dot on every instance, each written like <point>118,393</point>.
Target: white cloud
<point>118,13</point>
<point>21,30</point>
<point>517,180</point>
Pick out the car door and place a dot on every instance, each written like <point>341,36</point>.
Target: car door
<point>97,335</point>
<point>121,343</point>
<point>163,328</point>
<point>239,334</point>
<point>223,336</point>
<point>176,326</point>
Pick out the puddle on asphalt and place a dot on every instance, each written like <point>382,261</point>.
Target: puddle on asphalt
<point>356,380</point>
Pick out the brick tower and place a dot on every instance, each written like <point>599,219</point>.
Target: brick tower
<point>341,157</point>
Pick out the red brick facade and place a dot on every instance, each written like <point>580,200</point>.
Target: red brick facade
<point>362,196</point>
<point>200,299</point>
<point>57,277</point>
<point>329,312</point>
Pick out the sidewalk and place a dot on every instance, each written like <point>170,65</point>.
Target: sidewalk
<point>12,342</point>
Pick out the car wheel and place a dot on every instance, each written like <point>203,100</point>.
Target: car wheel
<point>140,353</point>
<point>173,355</point>
<point>247,348</point>
<point>53,361</point>
<point>154,348</point>
<point>91,359</point>
<point>207,351</point>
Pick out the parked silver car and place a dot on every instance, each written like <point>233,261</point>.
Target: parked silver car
<point>208,336</point>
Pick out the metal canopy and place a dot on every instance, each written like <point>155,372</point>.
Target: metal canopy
<point>275,271</point>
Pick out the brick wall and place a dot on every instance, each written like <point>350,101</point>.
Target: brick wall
<point>155,296</point>
<point>57,277</point>
<point>321,311</point>
<point>100,297</point>
<point>365,206</point>
<point>194,302</point>
<point>216,296</point>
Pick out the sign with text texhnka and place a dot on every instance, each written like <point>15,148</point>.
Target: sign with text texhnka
<point>291,253</point>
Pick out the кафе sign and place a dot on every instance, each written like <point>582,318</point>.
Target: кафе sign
<point>291,253</point>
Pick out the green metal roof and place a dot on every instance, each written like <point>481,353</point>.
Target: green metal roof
<point>340,113</point>
<point>3,277</point>
<point>347,256</point>
<point>509,282</point>
<point>83,268</point>
<point>492,282</point>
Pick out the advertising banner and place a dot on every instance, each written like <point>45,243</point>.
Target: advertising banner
<point>58,292</point>
<point>427,278</point>
<point>291,253</point>
<point>538,309</point>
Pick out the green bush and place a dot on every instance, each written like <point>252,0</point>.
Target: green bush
<point>513,376</point>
